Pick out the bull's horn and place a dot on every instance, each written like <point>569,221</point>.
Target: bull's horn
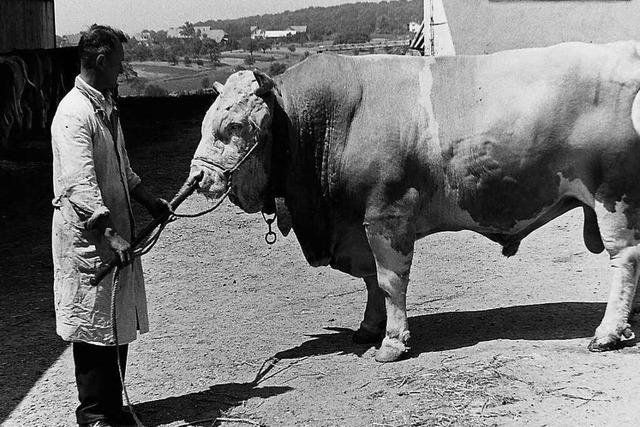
<point>218,87</point>
<point>266,83</point>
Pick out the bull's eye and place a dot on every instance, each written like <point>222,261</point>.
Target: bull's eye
<point>226,133</point>
<point>234,129</point>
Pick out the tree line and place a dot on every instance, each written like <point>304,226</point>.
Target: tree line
<point>193,47</point>
<point>327,23</point>
<point>347,23</point>
<point>162,48</point>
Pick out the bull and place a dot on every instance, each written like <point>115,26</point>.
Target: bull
<point>371,153</point>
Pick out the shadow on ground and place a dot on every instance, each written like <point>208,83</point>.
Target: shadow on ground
<point>160,149</point>
<point>202,408</point>
<point>29,343</point>
<point>452,330</point>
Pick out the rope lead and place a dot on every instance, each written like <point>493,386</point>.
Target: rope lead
<point>114,332</point>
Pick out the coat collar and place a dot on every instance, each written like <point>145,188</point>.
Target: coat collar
<point>102,104</point>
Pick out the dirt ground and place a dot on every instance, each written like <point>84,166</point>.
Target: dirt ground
<point>251,333</point>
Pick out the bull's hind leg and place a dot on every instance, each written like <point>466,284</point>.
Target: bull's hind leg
<point>619,233</point>
<point>374,323</point>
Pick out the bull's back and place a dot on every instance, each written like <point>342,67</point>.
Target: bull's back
<point>497,133</point>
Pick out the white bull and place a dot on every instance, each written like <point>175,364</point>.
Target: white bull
<point>371,153</point>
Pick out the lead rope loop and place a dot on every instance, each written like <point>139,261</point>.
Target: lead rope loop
<point>114,332</point>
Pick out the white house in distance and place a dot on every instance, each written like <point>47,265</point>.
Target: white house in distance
<point>70,40</point>
<point>144,37</point>
<point>259,33</point>
<point>206,31</point>
<point>202,31</point>
<point>174,33</point>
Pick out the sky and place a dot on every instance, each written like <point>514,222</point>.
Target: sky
<point>73,16</point>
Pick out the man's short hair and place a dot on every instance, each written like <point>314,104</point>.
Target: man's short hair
<point>99,39</point>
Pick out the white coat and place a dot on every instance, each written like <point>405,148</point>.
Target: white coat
<point>91,178</point>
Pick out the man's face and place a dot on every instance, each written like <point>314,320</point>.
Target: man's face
<point>111,66</point>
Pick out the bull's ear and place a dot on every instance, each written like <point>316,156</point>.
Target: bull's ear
<point>219,87</point>
<point>265,83</point>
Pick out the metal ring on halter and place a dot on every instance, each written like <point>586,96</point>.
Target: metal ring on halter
<point>270,237</point>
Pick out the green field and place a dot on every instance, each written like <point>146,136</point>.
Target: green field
<point>181,78</point>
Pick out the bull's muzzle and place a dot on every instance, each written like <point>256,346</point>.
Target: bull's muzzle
<point>213,183</point>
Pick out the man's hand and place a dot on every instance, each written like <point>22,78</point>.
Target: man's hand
<point>118,245</point>
<point>157,207</point>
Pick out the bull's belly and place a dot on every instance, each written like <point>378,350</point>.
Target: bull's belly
<point>351,252</point>
<point>505,221</point>
<point>507,216</point>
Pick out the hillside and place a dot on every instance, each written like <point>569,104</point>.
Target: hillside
<point>388,17</point>
<point>477,26</point>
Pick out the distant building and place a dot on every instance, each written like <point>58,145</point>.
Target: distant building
<point>144,37</point>
<point>202,31</point>
<point>256,32</point>
<point>174,33</point>
<point>208,32</point>
<point>414,26</point>
<point>70,40</point>
<point>299,28</point>
<point>259,33</point>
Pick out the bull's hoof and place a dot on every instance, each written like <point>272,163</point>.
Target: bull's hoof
<point>364,336</point>
<point>391,350</point>
<point>611,341</point>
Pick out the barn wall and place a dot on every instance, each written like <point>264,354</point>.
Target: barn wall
<point>26,24</point>
<point>486,26</point>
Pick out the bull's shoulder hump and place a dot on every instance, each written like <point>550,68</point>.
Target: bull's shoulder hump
<point>331,64</point>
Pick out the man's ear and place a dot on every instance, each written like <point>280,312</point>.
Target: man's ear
<point>101,60</point>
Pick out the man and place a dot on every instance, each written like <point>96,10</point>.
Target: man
<point>92,225</point>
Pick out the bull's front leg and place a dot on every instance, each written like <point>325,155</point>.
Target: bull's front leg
<point>391,236</point>
<point>374,323</point>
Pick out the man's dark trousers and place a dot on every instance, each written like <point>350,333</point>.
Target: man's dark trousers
<point>98,381</point>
